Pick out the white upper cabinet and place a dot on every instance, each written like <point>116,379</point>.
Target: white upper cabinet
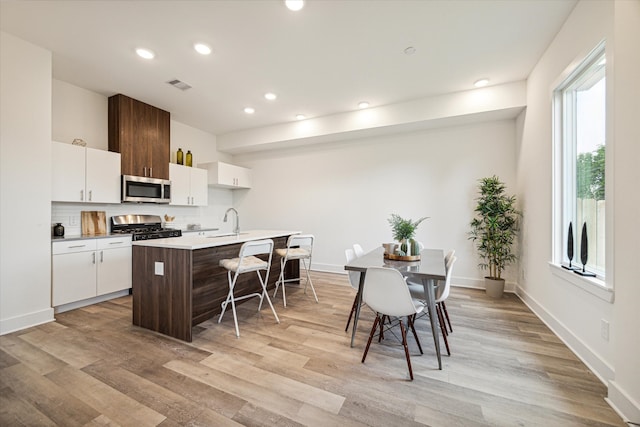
<point>103,176</point>
<point>82,174</point>
<point>188,186</point>
<point>226,175</point>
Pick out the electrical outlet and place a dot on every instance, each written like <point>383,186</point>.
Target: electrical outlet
<point>604,329</point>
<point>159,268</point>
<point>73,220</point>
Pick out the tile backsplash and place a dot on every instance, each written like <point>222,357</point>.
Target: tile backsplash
<point>207,216</point>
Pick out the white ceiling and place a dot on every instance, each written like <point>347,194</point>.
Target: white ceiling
<point>320,61</point>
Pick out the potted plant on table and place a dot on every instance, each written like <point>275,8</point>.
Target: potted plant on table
<point>404,231</point>
<point>494,230</point>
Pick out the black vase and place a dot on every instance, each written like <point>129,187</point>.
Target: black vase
<point>570,247</point>
<point>584,252</point>
<point>58,230</point>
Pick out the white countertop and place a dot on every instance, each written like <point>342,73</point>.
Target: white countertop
<point>201,242</point>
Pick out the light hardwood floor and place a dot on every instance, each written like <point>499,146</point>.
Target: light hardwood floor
<point>92,367</point>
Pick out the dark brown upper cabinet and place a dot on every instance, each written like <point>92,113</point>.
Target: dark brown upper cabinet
<point>140,133</point>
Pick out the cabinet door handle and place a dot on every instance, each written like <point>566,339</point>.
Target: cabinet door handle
<point>90,194</point>
<point>116,243</point>
<point>145,170</point>
<point>82,195</point>
<point>77,246</point>
<point>150,172</point>
<point>94,257</point>
<point>101,256</point>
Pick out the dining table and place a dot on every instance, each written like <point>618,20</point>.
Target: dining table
<point>428,270</point>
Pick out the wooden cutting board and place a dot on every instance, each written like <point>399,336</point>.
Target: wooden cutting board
<point>93,223</point>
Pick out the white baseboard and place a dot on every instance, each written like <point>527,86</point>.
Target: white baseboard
<point>26,321</point>
<point>329,268</point>
<point>595,363</point>
<point>623,404</point>
<point>462,282</point>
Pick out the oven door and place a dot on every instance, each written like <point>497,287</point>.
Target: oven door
<point>145,190</point>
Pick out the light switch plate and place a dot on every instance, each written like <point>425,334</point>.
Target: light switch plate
<point>159,267</point>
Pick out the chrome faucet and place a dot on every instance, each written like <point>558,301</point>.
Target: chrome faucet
<point>236,230</point>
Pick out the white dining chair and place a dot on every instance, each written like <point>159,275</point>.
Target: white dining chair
<point>247,262</point>
<point>416,290</point>
<point>299,247</point>
<point>386,292</point>
<point>442,304</point>
<point>354,280</point>
<point>358,250</point>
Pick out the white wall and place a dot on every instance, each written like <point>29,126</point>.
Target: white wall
<point>81,113</point>
<point>624,390</point>
<point>25,170</point>
<point>344,192</point>
<point>573,313</point>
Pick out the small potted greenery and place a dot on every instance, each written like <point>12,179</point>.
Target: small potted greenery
<point>404,231</point>
<point>494,230</point>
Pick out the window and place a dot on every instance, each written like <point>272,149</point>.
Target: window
<point>580,130</point>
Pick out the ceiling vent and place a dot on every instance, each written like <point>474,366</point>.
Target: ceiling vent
<point>179,84</point>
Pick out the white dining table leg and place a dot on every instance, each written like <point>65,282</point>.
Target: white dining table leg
<point>429,291</point>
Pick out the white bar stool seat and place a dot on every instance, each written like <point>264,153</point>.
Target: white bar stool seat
<point>246,262</point>
<point>299,247</point>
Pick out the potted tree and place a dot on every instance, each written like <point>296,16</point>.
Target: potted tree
<point>494,230</point>
<point>403,231</point>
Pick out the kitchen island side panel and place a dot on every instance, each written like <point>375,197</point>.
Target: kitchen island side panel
<point>210,282</point>
<point>162,302</point>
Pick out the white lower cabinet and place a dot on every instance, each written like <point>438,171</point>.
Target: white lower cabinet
<point>88,268</point>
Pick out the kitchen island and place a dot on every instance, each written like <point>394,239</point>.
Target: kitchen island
<point>177,282</point>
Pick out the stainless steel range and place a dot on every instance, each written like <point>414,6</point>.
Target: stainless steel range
<point>142,227</point>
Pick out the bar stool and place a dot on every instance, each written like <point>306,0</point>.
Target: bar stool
<point>299,247</point>
<point>247,262</point>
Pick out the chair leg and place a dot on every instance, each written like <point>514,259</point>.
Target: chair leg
<point>406,348</point>
<point>443,325</point>
<point>413,329</point>
<point>446,314</point>
<point>381,335</point>
<point>229,297</point>
<point>280,282</point>
<point>309,282</point>
<point>353,310</point>
<point>373,331</point>
<point>266,295</point>
<point>443,328</point>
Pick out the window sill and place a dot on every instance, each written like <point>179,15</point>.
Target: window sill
<point>588,284</point>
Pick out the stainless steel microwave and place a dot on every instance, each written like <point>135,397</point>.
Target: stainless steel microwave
<point>145,190</point>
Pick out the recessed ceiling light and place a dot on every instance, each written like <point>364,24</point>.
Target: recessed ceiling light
<point>363,104</point>
<point>481,83</point>
<point>294,5</point>
<point>270,96</point>
<point>202,48</point>
<point>145,53</point>
<point>249,110</point>
<point>300,117</point>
